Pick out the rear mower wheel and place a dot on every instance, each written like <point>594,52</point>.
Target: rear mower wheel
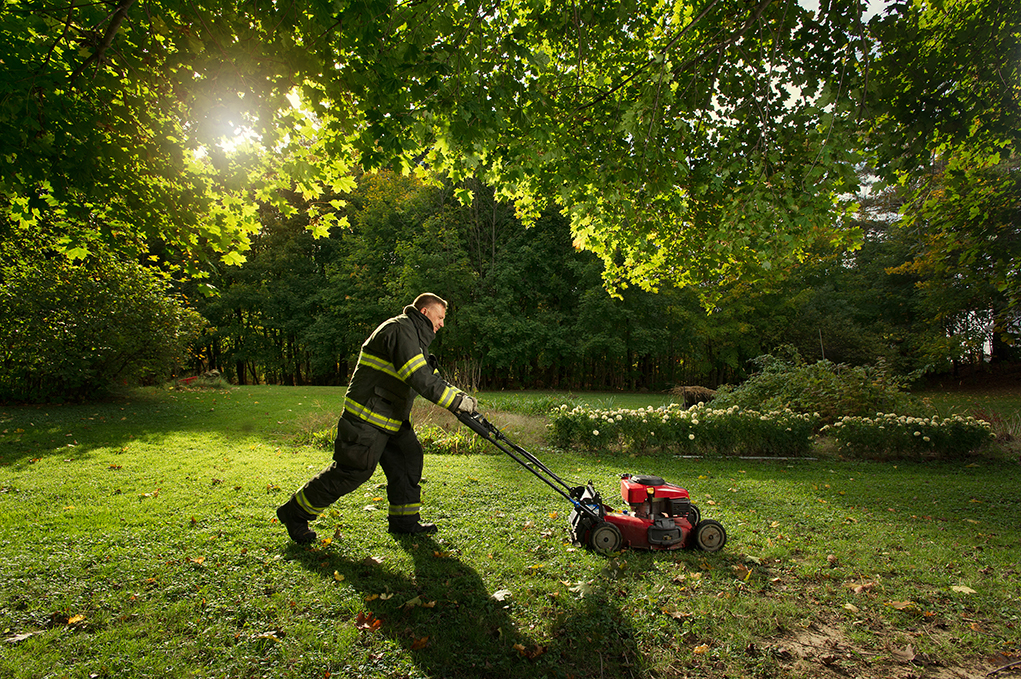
<point>710,536</point>
<point>605,538</point>
<point>694,516</point>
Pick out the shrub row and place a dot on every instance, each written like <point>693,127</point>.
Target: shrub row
<point>700,430</point>
<point>891,435</point>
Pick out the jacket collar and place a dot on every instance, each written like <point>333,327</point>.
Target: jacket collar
<point>422,324</point>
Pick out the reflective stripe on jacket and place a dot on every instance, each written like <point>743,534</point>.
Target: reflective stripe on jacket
<point>392,368</point>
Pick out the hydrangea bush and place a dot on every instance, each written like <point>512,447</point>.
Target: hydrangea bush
<point>706,430</point>
<point>891,435</point>
<point>700,430</point>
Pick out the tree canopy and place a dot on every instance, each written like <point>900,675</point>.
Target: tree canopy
<point>690,141</point>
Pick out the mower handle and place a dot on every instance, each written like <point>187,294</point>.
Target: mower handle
<point>480,425</point>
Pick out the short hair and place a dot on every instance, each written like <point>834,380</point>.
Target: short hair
<point>427,299</point>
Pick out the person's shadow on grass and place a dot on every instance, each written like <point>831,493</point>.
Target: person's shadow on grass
<point>442,614</point>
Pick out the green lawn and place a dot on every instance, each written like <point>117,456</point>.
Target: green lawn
<point>139,540</point>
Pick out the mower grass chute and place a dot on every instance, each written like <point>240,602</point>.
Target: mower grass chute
<point>660,515</point>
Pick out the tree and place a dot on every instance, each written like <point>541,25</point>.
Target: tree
<point>689,141</point>
<point>946,127</point>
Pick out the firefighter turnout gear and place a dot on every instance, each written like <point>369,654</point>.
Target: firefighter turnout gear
<point>394,365</point>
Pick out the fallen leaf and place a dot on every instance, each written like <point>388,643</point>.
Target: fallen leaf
<point>531,653</point>
<point>699,650</point>
<point>902,605</point>
<point>198,560</point>
<point>963,589</point>
<point>501,594</point>
<point>385,597</point>
<point>18,638</point>
<point>851,607</point>
<point>367,622</point>
<point>369,508</point>
<point>372,561</point>
<point>419,644</point>
<point>905,655</point>
<point>677,615</point>
<point>338,577</point>
<point>272,635</point>
<point>411,603</point>
<point>742,572</point>
<point>859,587</point>
<point>371,597</point>
<point>76,619</point>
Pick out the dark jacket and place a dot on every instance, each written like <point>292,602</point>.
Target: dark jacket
<point>392,367</point>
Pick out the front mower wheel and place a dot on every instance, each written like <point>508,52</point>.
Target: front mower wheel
<point>710,536</point>
<point>605,538</point>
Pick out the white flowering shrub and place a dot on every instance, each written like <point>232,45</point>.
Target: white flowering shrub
<point>890,435</point>
<point>700,430</point>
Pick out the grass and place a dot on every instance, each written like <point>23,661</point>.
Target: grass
<point>139,540</point>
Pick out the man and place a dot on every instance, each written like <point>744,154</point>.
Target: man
<point>375,429</point>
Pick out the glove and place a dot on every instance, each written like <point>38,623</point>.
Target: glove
<point>468,404</point>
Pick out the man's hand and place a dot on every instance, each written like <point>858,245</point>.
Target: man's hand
<point>468,404</point>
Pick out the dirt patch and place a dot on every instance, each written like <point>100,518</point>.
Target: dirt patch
<point>823,651</point>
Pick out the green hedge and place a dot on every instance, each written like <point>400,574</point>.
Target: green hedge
<point>700,430</point>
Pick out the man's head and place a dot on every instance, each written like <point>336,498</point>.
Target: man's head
<point>432,307</point>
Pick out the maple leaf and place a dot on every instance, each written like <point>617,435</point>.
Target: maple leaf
<point>367,622</point>
<point>419,644</point>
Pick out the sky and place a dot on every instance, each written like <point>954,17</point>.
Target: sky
<point>874,7</point>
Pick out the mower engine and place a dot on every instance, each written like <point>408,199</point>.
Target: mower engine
<point>661,516</point>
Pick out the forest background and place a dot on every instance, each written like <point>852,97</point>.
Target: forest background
<point>630,196</point>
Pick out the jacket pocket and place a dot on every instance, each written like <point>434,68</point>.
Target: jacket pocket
<point>387,403</point>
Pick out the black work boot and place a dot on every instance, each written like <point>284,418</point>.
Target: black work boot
<point>295,520</point>
<point>410,525</point>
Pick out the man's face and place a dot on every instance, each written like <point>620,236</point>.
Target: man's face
<point>435,313</point>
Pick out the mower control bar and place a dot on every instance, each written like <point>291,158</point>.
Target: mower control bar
<point>487,430</point>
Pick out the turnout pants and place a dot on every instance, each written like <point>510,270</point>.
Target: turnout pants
<point>358,448</point>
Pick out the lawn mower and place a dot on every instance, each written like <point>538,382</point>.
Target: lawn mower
<point>660,514</point>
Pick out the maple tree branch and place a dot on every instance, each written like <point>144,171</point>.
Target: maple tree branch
<point>115,23</point>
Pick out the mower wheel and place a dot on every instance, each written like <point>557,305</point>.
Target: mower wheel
<point>694,516</point>
<point>605,538</point>
<point>710,536</point>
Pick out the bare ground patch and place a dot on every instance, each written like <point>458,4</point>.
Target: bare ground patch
<point>823,651</point>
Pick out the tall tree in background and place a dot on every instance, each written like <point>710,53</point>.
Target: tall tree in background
<point>946,94</point>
